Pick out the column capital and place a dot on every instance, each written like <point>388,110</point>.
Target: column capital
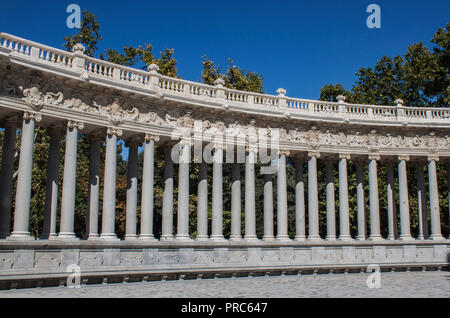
<point>344,156</point>
<point>110,131</point>
<point>72,124</point>
<point>314,154</point>
<point>151,137</point>
<point>32,116</point>
<point>433,158</point>
<point>403,157</point>
<point>284,152</point>
<point>374,157</point>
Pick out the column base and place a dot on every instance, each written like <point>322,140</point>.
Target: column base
<point>131,237</point>
<point>145,237</point>
<point>436,237</point>
<point>67,236</point>
<point>109,237</point>
<point>251,238</point>
<point>166,238</point>
<point>406,238</point>
<point>203,238</point>
<point>217,238</point>
<point>391,238</point>
<point>268,238</point>
<point>314,238</point>
<point>20,236</point>
<point>300,238</point>
<point>361,238</point>
<point>235,238</point>
<point>345,238</point>
<point>283,238</point>
<point>421,237</point>
<point>376,238</point>
<point>93,237</point>
<point>330,238</point>
<point>49,236</point>
<point>183,237</point>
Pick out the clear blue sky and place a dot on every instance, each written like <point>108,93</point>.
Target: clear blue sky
<point>298,45</point>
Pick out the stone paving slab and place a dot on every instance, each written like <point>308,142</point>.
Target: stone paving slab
<point>399,284</point>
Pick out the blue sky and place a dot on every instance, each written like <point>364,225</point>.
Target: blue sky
<point>298,45</point>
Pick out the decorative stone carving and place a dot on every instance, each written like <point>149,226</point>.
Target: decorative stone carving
<point>150,137</point>
<point>372,141</point>
<point>151,117</point>
<point>75,124</point>
<point>114,131</point>
<point>116,114</point>
<point>432,142</point>
<point>386,140</point>
<point>356,140</point>
<point>37,100</point>
<point>29,116</point>
<point>313,138</point>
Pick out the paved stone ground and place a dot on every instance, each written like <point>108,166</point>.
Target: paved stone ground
<point>400,284</point>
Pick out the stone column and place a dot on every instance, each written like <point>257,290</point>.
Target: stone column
<point>94,188</point>
<point>23,191</point>
<point>132,192</point>
<point>109,189</point>
<point>51,186</point>
<point>250,218</point>
<point>300,233</point>
<point>331,200</point>
<point>434,199</point>
<point>360,201</point>
<point>236,234</point>
<point>202,207</point>
<point>391,208</point>
<point>217,195</point>
<point>268,207</point>
<point>374,199</point>
<point>147,195</point>
<point>344,215</point>
<point>183,191</point>
<point>421,201</point>
<point>167,206</point>
<point>7,176</point>
<point>66,230</point>
<point>405,231</point>
<point>282,209</point>
<point>313,198</point>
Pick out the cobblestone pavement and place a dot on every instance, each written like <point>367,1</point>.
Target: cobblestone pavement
<point>400,284</point>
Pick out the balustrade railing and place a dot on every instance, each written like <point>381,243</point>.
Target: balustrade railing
<point>19,47</point>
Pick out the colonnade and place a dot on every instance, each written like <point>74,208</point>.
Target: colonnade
<point>20,230</point>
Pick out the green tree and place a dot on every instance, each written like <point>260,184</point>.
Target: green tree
<point>235,78</point>
<point>88,34</point>
<point>330,91</point>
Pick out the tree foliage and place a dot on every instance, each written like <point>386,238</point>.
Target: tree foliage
<point>87,35</point>
<point>235,77</point>
<point>420,77</point>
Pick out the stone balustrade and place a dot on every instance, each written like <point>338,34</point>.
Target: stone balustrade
<point>151,83</point>
<point>71,94</point>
